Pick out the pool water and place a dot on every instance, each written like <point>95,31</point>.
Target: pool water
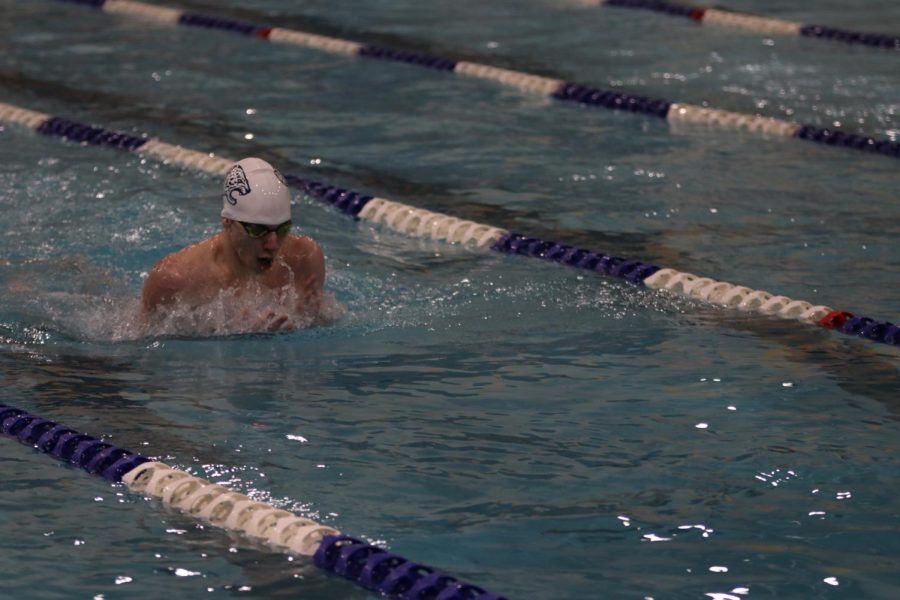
<point>544,432</point>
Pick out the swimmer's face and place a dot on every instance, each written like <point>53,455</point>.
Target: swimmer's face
<point>256,245</point>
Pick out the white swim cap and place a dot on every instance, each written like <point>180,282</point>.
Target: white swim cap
<point>255,192</point>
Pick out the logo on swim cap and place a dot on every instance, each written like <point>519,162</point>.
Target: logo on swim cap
<point>255,192</point>
<point>236,181</point>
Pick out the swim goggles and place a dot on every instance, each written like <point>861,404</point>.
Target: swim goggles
<point>255,230</point>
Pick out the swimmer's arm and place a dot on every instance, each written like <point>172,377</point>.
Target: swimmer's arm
<point>309,265</point>
<point>315,281</point>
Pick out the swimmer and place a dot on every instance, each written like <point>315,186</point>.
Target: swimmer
<point>253,256</point>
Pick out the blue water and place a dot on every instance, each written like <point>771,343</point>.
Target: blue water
<point>543,432</point>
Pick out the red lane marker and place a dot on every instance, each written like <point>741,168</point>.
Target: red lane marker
<point>835,319</point>
<point>697,14</point>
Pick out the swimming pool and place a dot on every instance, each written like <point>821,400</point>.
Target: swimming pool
<point>542,431</point>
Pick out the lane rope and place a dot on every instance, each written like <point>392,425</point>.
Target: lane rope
<point>369,566</point>
<point>742,20</point>
<point>417,222</point>
<point>555,88</point>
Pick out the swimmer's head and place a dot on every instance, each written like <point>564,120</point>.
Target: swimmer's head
<point>255,192</point>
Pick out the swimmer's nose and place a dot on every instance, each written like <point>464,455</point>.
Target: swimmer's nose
<point>271,241</point>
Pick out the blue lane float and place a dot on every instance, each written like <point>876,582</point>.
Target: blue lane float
<point>394,576</point>
<point>92,455</point>
<point>834,137</point>
<point>667,8</point>
<point>231,25</point>
<point>94,3</point>
<point>369,566</point>
<point>634,271</point>
<point>344,200</point>
<point>411,58</point>
<point>560,90</point>
<point>580,94</point>
<point>873,40</point>
<point>96,136</point>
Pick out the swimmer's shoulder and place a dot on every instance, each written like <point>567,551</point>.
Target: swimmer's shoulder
<point>178,273</point>
<point>165,281</point>
<point>199,257</point>
<point>179,263</point>
<point>302,246</point>
<point>304,253</point>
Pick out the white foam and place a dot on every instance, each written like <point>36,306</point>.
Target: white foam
<point>118,318</point>
<point>250,311</point>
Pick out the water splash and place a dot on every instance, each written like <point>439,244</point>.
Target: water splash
<point>114,314</point>
<point>246,311</point>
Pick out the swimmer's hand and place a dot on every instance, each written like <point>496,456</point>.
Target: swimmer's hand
<point>273,321</point>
